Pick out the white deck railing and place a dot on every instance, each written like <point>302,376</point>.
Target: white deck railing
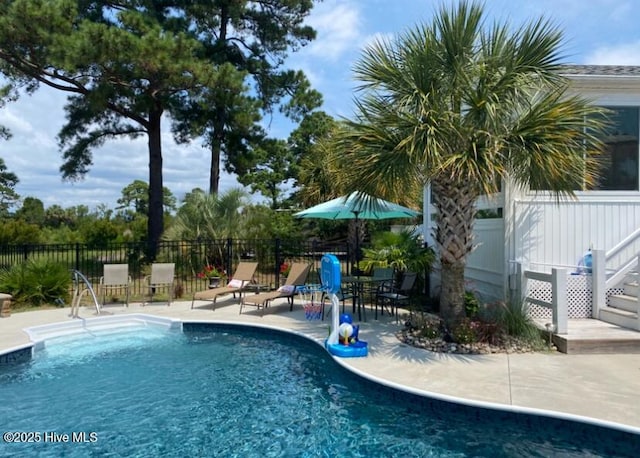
<point>558,304</point>
<point>602,282</point>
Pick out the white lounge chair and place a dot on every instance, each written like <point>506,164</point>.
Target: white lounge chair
<point>115,277</point>
<point>162,276</point>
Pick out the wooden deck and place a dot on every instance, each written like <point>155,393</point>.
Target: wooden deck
<point>589,336</point>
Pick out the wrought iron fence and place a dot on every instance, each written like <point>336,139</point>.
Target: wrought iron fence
<point>190,258</point>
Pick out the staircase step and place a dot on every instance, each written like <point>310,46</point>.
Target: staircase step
<point>620,317</point>
<point>624,302</point>
<point>589,336</point>
<point>631,289</point>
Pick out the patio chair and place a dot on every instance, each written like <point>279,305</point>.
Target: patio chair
<point>397,296</point>
<point>343,295</point>
<point>382,282</point>
<point>115,277</point>
<point>297,277</point>
<point>162,276</point>
<point>240,279</point>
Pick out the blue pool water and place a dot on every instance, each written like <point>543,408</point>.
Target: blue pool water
<point>225,391</point>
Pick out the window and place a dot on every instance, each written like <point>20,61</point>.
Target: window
<point>619,162</point>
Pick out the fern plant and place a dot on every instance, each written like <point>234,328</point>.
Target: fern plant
<point>401,251</point>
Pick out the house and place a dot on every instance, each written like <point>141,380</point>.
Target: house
<point>529,231</point>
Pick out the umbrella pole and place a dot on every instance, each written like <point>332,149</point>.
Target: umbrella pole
<point>357,256</point>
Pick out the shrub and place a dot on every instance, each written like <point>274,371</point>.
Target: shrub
<point>430,330</point>
<point>402,251</point>
<point>465,332</point>
<point>36,282</point>
<point>471,304</point>
<point>514,319</point>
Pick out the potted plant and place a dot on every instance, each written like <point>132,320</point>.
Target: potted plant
<point>285,268</point>
<point>402,251</point>
<point>213,273</point>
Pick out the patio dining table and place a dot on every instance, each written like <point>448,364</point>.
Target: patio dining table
<point>357,286</point>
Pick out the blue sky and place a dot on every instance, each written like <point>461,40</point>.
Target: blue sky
<point>596,32</point>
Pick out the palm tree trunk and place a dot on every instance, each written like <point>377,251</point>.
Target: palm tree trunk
<point>455,202</point>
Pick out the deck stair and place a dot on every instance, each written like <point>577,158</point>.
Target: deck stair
<point>624,309</point>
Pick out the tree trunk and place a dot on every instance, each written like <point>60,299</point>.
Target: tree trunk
<point>455,202</point>
<point>214,172</point>
<point>452,293</point>
<point>155,222</point>
<point>217,137</point>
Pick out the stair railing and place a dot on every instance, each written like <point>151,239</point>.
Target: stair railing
<point>602,282</point>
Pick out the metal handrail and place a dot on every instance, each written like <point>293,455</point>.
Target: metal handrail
<point>79,277</point>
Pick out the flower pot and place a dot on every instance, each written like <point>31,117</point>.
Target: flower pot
<point>214,282</point>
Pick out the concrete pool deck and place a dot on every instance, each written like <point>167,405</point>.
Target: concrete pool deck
<point>601,387</point>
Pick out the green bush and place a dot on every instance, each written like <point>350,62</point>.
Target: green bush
<point>402,251</point>
<point>515,320</point>
<point>471,304</point>
<point>37,282</point>
<point>465,332</point>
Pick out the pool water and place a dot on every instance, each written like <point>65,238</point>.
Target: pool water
<point>235,392</point>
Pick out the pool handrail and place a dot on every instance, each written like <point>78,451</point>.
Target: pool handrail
<point>79,277</point>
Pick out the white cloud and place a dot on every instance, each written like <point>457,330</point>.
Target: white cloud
<point>33,155</point>
<point>338,30</point>
<point>625,54</point>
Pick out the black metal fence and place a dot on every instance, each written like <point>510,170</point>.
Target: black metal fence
<point>190,258</point>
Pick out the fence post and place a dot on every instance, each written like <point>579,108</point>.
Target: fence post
<point>278,260</point>
<point>77,260</point>
<point>559,301</point>
<point>229,267</point>
<point>521,283</point>
<point>598,282</point>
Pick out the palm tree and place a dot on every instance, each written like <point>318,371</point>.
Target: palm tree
<point>466,107</point>
<point>206,216</point>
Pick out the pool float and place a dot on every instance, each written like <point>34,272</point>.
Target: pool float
<point>343,339</point>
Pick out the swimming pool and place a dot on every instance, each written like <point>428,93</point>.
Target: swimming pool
<point>223,390</point>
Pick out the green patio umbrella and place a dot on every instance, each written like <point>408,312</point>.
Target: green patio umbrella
<point>357,205</point>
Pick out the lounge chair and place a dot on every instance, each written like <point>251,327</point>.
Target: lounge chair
<point>241,278</point>
<point>116,277</point>
<point>297,277</point>
<point>162,276</point>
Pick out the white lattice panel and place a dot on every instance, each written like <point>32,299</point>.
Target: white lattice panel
<point>579,297</point>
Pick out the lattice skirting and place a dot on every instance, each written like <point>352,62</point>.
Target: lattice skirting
<point>579,297</point>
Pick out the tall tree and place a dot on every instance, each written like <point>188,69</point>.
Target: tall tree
<point>313,145</point>
<point>8,180</point>
<point>31,211</point>
<point>271,171</point>
<point>123,65</point>
<point>5,94</point>
<point>249,40</point>
<point>135,197</point>
<point>463,106</point>
<point>8,194</point>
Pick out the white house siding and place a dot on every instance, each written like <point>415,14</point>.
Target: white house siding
<point>557,234</point>
<point>485,266</point>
